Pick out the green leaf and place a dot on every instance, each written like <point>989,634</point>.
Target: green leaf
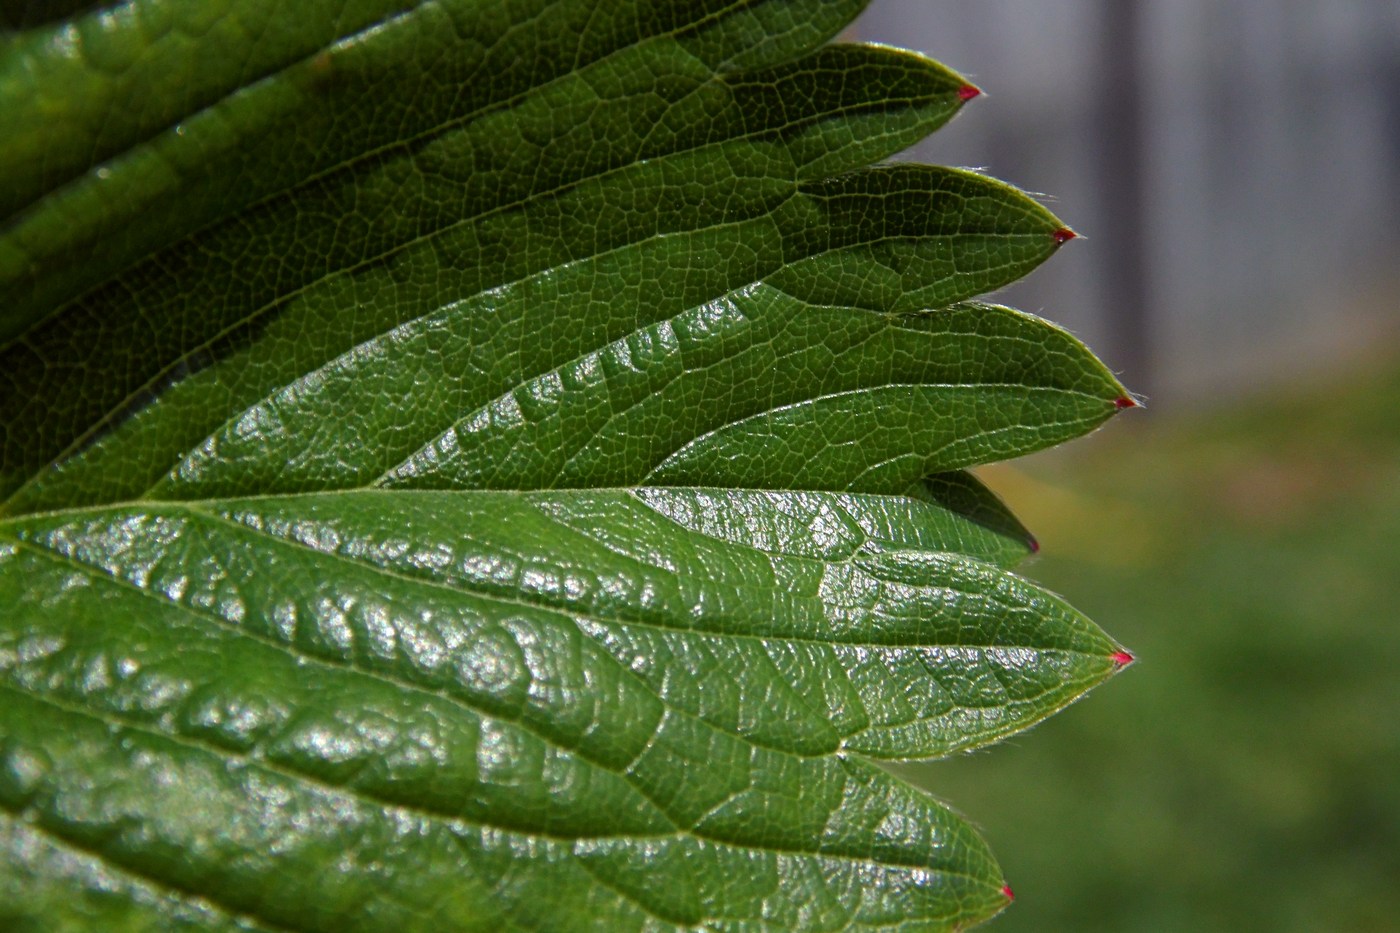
<point>490,465</point>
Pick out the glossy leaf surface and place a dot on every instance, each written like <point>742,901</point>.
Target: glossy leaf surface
<point>496,465</point>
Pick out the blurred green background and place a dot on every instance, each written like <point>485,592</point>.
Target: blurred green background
<point>1245,774</point>
<point>1235,169</point>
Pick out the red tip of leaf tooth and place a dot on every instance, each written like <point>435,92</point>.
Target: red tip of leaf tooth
<point>968,91</point>
<point>1064,235</point>
<point>1125,402</point>
<point>1008,893</point>
<point>1035,546</point>
<point>1122,658</point>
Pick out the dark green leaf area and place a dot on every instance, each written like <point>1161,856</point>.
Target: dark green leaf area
<point>416,378</point>
<point>135,49</point>
<point>256,733</point>
<point>242,103</point>
<point>513,193</point>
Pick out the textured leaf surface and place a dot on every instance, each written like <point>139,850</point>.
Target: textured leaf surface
<point>496,465</point>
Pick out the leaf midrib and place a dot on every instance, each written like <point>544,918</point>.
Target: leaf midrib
<point>569,616</point>
<point>845,393</point>
<point>244,528</point>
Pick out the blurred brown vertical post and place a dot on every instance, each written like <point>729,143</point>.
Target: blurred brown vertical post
<point>1121,154</point>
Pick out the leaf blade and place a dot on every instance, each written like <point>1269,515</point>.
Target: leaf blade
<point>325,757</point>
<point>210,305</point>
<point>295,639</point>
